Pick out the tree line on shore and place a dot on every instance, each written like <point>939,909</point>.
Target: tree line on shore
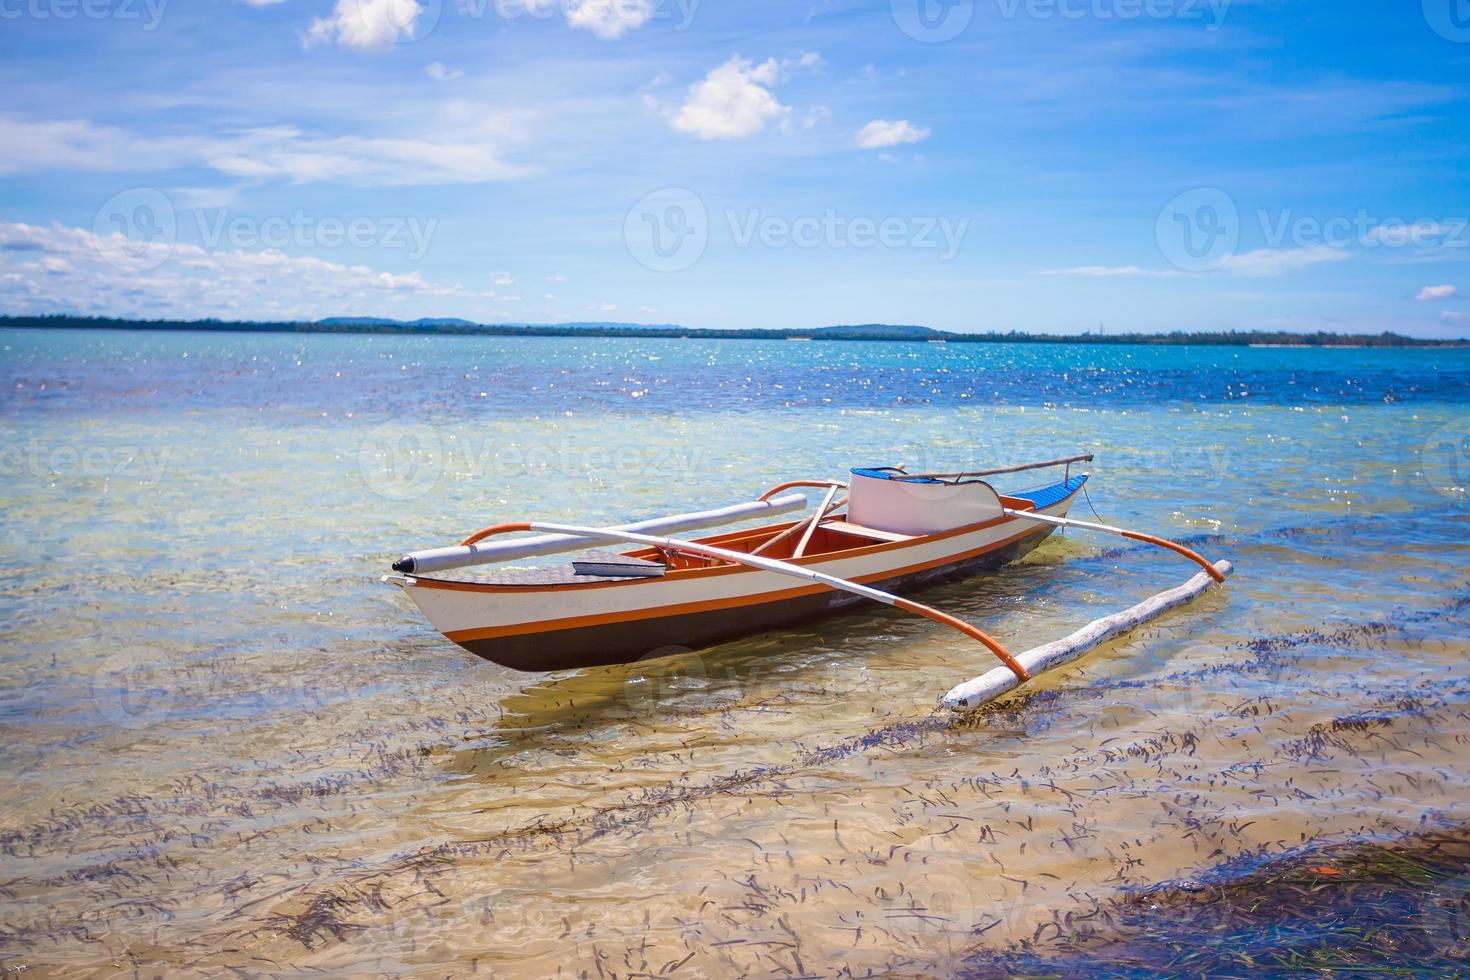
<point>863,332</point>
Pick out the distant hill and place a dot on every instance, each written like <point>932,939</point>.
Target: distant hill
<point>884,330</point>
<point>859,332</point>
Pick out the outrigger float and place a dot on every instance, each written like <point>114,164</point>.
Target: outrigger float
<point>880,533</point>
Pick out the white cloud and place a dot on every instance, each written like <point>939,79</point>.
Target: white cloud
<point>602,308</point>
<point>1104,271</point>
<point>366,24</point>
<point>1261,262</point>
<point>504,279</point>
<point>732,101</point>
<point>1279,261</point>
<point>205,198</point>
<point>885,132</point>
<point>373,161</point>
<point>1432,293</point>
<point>1454,316</point>
<point>609,19</point>
<point>76,144</point>
<point>263,3</point>
<point>59,269</point>
<point>472,156</point>
<point>439,72</point>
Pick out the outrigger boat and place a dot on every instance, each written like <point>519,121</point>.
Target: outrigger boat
<point>881,532</point>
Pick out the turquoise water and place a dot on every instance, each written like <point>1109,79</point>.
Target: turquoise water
<point>226,740</point>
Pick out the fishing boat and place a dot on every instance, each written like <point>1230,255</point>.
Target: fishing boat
<point>874,536</point>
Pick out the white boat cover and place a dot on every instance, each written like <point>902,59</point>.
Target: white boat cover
<point>889,501</point>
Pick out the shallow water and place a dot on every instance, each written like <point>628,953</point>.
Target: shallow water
<point>226,744</point>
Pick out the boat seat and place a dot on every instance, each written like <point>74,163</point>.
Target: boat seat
<point>847,527</point>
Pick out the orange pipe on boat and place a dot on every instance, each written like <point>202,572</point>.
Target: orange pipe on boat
<point>492,530</point>
<point>1004,655</point>
<point>800,483</point>
<point>1192,555</point>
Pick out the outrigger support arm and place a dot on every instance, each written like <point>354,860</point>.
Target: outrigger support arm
<point>796,571</point>
<point>1189,553</point>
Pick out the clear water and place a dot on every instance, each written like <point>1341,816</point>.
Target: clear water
<point>225,743</point>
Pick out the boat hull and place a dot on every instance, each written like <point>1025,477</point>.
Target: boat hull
<point>625,642</point>
<point>571,626</point>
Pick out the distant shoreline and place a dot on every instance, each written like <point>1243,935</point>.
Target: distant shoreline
<point>863,332</point>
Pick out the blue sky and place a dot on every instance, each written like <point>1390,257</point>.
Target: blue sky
<point>1042,165</point>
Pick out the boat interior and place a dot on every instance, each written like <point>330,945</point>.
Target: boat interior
<point>793,541</point>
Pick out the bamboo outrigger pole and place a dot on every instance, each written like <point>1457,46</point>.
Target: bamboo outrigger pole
<point>991,685</point>
<point>1012,666</point>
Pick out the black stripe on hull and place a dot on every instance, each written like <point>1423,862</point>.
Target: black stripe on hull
<point>646,639</point>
